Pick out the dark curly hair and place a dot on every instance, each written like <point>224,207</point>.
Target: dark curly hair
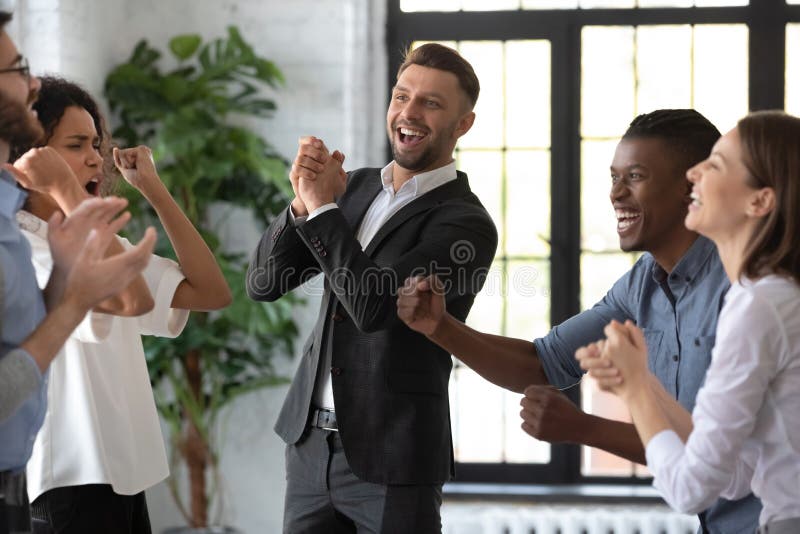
<point>55,96</point>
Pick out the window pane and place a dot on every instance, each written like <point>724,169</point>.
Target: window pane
<point>597,462</point>
<point>527,203</point>
<point>527,94</point>
<point>484,169</point>
<point>486,58</point>
<point>549,4</point>
<point>598,222</point>
<point>527,317</point>
<point>478,417</point>
<point>793,68</point>
<point>430,5</point>
<point>599,271</point>
<point>607,98</point>
<point>717,3</point>
<point>720,79</point>
<point>493,5</point>
<point>664,81</point>
<point>589,4</point>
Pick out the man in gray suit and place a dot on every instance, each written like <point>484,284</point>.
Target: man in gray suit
<point>366,420</point>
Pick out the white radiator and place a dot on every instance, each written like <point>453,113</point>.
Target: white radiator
<point>470,518</point>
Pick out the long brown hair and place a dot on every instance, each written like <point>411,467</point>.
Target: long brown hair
<point>771,153</point>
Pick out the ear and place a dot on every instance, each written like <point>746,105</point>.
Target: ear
<point>464,124</point>
<point>761,203</point>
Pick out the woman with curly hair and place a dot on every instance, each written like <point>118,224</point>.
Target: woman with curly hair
<point>101,446</point>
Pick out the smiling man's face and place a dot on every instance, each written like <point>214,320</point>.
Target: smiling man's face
<point>427,114</point>
<point>649,192</point>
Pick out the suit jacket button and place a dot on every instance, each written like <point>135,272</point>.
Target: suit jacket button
<point>323,253</point>
<point>336,371</point>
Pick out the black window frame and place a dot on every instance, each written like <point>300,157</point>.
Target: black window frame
<point>766,21</point>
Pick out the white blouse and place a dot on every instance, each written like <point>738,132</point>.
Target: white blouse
<point>101,425</point>
<point>747,417</point>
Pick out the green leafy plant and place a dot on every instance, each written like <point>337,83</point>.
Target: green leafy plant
<point>192,116</point>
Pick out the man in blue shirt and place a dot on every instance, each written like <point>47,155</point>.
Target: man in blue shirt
<point>674,293</point>
<point>34,324</point>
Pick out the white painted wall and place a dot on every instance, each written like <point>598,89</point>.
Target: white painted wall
<point>332,54</point>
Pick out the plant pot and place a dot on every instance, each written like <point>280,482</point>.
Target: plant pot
<point>202,530</point>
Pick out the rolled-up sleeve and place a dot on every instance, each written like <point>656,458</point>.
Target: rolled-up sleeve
<point>556,350</point>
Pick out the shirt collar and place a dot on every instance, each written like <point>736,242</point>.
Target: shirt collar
<point>11,197</point>
<point>421,183</point>
<point>690,263</point>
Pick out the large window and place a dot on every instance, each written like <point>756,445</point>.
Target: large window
<point>560,81</point>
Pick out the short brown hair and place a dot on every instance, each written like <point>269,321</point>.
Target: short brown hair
<point>771,152</point>
<point>440,57</point>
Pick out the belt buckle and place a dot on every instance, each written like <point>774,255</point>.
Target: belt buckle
<point>322,426</point>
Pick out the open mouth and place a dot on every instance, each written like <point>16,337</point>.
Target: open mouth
<point>410,137</point>
<point>626,218</point>
<point>696,202</point>
<point>93,185</point>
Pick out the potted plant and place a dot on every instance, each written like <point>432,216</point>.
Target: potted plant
<point>205,158</point>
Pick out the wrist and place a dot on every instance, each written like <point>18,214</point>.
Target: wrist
<point>70,308</point>
<point>298,208</point>
<point>153,189</point>
<point>442,329</point>
<point>69,196</point>
<point>315,204</point>
<point>636,391</point>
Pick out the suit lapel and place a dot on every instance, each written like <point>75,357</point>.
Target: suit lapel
<point>453,189</point>
<point>357,200</point>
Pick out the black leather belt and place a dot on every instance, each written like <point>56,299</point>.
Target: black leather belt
<point>324,419</point>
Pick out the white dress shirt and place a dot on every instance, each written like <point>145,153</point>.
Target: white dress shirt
<point>387,203</point>
<point>101,425</point>
<point>747,416</point>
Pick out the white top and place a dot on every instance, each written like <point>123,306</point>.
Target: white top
<point>747,416</point>
<point>386,204</point>
<point>101,425</point>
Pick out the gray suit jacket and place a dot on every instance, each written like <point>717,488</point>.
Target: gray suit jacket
<point>390,384</point>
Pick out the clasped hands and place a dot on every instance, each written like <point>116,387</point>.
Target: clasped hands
<point>317,176</point>
<point>619,362</point>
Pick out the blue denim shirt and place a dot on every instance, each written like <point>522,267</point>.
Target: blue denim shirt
<point>23,309</point>
<point>678,314</point>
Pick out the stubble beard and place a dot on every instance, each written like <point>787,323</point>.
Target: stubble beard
<point>18,127</point>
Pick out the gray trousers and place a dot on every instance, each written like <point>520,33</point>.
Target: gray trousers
<point>324,496</point>
<point>783,526</point>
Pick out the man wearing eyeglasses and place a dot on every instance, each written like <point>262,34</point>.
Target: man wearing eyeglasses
<point>35,324</point>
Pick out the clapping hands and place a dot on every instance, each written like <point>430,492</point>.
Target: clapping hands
<point>618,363</point>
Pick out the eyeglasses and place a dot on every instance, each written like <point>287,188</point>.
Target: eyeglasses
<point>23,68</point>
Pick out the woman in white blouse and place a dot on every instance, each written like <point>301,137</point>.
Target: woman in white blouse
<point>744,432</point>
<point>101,446</point>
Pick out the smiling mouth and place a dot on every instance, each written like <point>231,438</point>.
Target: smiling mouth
<point>696,202</point>
<point>626,219</point>
<point>410,136</point>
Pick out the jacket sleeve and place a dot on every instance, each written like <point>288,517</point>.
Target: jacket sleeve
<point>280,263</point>
<point>457,243</point>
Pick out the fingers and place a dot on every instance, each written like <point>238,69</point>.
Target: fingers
<point>636,335</point>
<point>338,156</point>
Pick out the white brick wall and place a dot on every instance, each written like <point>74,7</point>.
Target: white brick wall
<point>332,53</point>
